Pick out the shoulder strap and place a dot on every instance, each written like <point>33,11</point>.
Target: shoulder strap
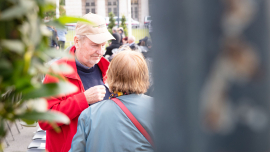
<point>134,120</point>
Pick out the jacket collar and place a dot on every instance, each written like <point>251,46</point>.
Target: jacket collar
<point>103,65</point>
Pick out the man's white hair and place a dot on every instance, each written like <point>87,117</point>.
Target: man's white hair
<point>131,39</point>
<point>114,29</point>
<point>81,37</point>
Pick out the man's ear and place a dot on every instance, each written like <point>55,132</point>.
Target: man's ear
<point>76,42</point>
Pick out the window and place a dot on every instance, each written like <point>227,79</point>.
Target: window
<point>132,14</point>
<point>93,10</point>
<point>136,12</point>
<point>135,9</point>
<point>90,6</point>
<point>115,11</point>
<point>112,7</point>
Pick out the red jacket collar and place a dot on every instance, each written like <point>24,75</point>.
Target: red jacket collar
<point>103,65</point>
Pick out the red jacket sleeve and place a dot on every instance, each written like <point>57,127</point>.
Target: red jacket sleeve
<point>70,105</point>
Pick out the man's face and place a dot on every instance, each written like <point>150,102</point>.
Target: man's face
<point>89,53</point>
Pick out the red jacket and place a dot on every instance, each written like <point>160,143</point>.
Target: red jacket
<point>72,105</point>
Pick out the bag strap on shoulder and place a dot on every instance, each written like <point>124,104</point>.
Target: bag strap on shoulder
<point>134,120</point>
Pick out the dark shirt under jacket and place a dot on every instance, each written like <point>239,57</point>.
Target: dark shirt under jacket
<point>91,77</point>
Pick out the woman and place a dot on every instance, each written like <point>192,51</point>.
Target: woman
<point>104,126</point>
<point>125,40</point>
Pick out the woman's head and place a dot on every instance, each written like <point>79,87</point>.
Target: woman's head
<point>125,40</point>
<point>128,72</point>
<point>120,30</point>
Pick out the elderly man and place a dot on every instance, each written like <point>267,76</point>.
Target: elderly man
<point>89,71</point>
<point>133,46</point>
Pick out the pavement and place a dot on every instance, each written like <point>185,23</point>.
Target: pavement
<point>21,137</point>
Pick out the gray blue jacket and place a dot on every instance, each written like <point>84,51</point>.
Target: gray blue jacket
<point>105,127</point>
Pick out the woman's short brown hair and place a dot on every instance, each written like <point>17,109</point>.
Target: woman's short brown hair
<point>128,73</point>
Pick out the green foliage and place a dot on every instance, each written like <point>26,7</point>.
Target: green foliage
<point>52,13</point>
<point>24,48</point>
<point>62,2</point>
<point>112,22</point>
<point>123,25</point>
<point>62,10</point>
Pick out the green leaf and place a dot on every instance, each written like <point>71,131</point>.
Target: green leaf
<point>49,7</point>
<point>24,82</point>
<point>58,54</point>
<point>14,12</point>
<point>61,68</point>
<point>55,23</point>
<point>5,64</point>
<point>13,45</point>
<point>44,30</point>
<point>28,123</point>
<point>67,19</point>
<point>35,33</point>
<point>17,11</point>
<point>51,116</point>
<point>50,89</point>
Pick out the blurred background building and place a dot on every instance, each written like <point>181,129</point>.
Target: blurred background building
<point>139,8</point>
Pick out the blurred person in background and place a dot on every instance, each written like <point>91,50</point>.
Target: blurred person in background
<point>143,42</point>
<point>104,126</point>
<point>89,70</point>
<point>122,34</point>
<point>115,43</point>
<point>53,38</point>
<point>61,37</point>
<point>125,40</point>
<point>133,46</point>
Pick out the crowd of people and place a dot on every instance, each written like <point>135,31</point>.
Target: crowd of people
<point>121,41</point>
<point>109,111</point>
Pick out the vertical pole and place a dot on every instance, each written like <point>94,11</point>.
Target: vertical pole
<point>129,18</point>
<point>57,9</point>
<point>118,12</point>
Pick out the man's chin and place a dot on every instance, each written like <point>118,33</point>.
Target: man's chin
<point>95,61</point>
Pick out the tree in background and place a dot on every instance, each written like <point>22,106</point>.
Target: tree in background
<point>62,2</point>
<point>24,49</point>
<point>112,22</point>
<point>52,14</point>
<point>123,25</point>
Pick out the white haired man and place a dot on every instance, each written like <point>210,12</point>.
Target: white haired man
<point>89,68</point>
<point>133,46</point>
